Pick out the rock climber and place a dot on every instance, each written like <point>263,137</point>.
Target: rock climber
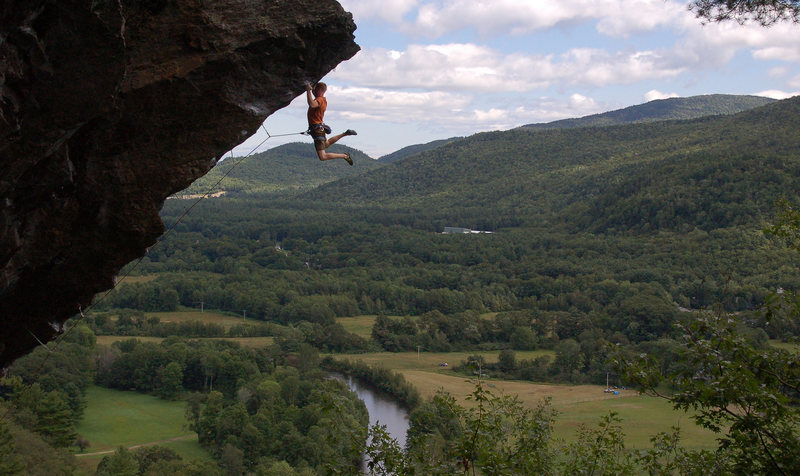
<point>317,104</point>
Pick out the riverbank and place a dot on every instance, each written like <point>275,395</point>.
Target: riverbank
<point>385,380</point>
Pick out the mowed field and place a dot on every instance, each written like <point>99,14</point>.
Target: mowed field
<point>116,418</point>
<point>207,317</point>
<point>359,325</point>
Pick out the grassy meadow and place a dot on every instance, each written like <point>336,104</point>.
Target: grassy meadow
<point>138,279</point>
<point>206,317</point>
<point>787,346</point>
<point>116,418</point>
<point>359,325</point>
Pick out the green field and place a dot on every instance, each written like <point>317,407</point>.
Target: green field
<point>115,418</point>
<point>208,317</point>
<point>359,325</point>
<point>787,346</point>
<point>642,416</point>
<point>108,340</point>
<point>137,279</point>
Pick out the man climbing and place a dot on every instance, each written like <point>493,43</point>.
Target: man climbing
<point>316,126</point>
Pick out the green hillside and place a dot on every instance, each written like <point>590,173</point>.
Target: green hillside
<point>709,172</point>
<point>414,149</point>
<point>664,109</point>
<point>286,168</point>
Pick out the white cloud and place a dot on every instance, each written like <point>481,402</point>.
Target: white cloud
<point>623,18</point>
<point>437,18</point>
<point>775,94</point>
<point>714,45</point>
<point>358,103</point>
<point>654,94</point>
<point>782,53</point>
<point>390,11</point>
<point>469,67</point>
<point>777,72</point>
<point>579,101</point>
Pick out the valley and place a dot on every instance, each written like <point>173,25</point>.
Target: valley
<point>610,247</point>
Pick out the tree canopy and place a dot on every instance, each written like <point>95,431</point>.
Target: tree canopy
<point>764,12</point>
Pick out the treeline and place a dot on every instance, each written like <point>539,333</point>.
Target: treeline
<point>174,366</point>
<point>653,316</point>
<point>129,322</point>
<point>153,460</point>
<point>330,337</point>
<point>387,381</point>
<point>42,397</point>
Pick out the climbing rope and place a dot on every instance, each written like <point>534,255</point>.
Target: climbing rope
<point>57,341</point>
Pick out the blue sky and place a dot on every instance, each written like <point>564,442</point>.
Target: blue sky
<point>433,69</point>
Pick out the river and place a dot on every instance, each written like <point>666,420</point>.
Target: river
<point>381,407</point>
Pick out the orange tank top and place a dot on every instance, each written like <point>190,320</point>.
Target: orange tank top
<point>316,114</point>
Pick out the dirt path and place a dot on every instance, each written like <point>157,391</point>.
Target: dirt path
<point>140,445</point>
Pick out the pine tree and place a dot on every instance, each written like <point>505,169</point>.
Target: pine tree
<point>121,463</point>
<point>55,420</point>
<point>10,462</point>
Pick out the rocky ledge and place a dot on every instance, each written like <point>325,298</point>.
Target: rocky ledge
<point>107,107</point>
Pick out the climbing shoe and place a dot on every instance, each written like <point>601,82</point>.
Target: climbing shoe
<point>350,132</point>
<point>348,159</point>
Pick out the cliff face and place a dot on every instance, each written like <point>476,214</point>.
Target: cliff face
<point>107,107</point>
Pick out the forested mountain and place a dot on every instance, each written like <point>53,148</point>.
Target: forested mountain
<point>658,110</point>
<point>662,110</point>
<point>710,172</point>
<point>285,168</point>
<point>294,167</point>
<point>414,149</point>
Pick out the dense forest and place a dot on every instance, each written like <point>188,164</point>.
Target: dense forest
<point>663,110</point>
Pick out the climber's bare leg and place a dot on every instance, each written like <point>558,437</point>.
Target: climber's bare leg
<point>321,145</point>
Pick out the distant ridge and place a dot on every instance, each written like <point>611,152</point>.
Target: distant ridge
<point>663,110</point>
<point>415,149</point>
<point>288,167</point>
<point>658,110</point>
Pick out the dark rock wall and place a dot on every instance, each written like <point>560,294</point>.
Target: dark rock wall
<point>109,106</point>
